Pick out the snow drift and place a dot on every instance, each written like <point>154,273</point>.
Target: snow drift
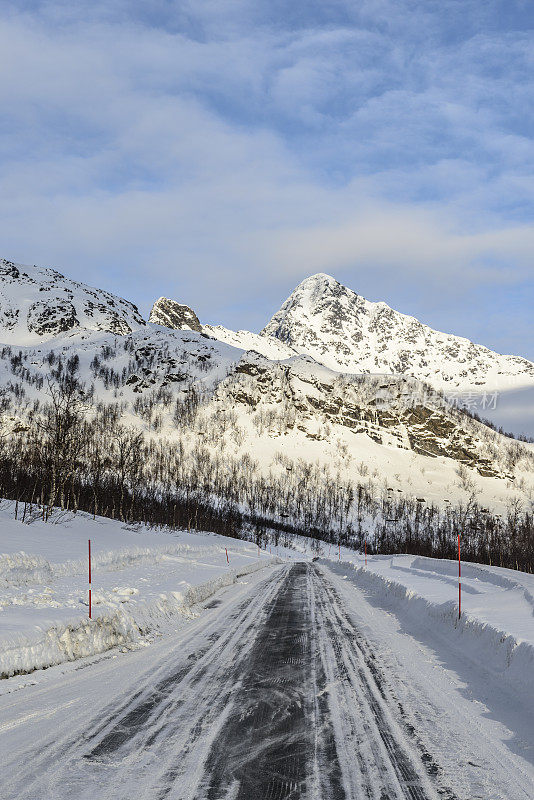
<point>505,651</point>
<point>80,638</point>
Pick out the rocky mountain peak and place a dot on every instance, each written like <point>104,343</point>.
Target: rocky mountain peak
<point>315,292</point>
<point>348,333</point>
<point>319,307</point>
<point>172,314</point>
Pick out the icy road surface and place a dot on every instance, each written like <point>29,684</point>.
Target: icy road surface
<point>289,684</point>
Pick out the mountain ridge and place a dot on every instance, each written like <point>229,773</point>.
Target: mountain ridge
<point>321,318</point>
<point>348,333</point>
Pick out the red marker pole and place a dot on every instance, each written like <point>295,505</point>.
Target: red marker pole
<point>90,617</point>
<point>459,580</point>
<point>227,559</point>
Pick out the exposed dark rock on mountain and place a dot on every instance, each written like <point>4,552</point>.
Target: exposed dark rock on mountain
<point>174,315</point>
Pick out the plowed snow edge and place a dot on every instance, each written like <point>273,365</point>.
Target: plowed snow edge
<point>81,638</point>
<point>503,655</point>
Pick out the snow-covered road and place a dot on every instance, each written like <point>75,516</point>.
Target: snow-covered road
<point>291,683</point>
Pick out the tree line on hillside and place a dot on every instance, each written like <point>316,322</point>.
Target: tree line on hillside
<point>77,454</point>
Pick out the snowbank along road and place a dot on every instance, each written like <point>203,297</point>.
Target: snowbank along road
<point>275,691</point>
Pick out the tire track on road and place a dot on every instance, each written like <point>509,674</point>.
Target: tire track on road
<point>170,707</point>
<point>280,698</point>
<point>264,749</point>
<point>359,683</point>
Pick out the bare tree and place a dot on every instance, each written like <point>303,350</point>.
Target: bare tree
<point>60,428</point>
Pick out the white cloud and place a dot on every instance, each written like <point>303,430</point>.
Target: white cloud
<point>418,241</point>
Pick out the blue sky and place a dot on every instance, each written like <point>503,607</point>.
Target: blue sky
<point>219,152</point>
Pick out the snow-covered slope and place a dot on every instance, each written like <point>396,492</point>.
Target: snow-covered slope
<point>266,346</point>
<point>172,314</point>
<point>38,303</point>
<point>391,430</point>
<point>348,333</point>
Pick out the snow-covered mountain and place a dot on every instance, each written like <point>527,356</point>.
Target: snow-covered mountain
<point>321,318</point>
<point>38,304</point>
<point>301,390</point>
<point>172,314</point>
<point>348,333</point>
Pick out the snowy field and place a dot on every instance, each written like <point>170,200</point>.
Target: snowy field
<point>140,579</point>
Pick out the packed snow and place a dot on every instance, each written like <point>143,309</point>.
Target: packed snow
<point>140,579</point>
